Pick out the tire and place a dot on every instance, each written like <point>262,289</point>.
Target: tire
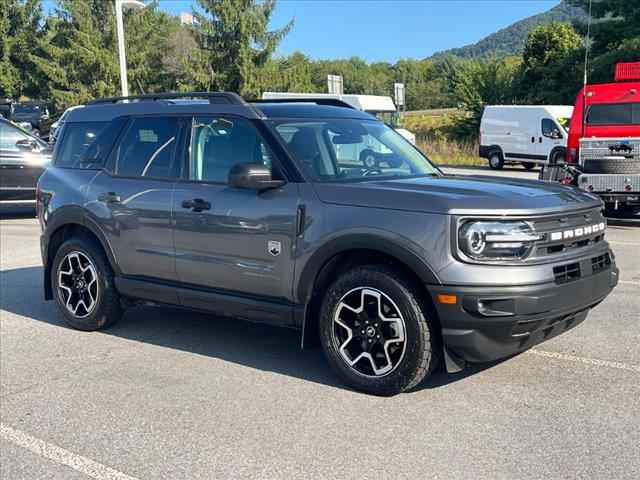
<point>369,158</point>
<point>528,166</point>
<point>98,305</point>
<point>366,288</point>
<point>496,161</point>
<point>558,157</point>
<point>623,166</point>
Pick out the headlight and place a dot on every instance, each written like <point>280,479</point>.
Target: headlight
<point>496,240</point>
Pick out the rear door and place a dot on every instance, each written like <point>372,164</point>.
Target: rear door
<point>231,239</point>
<point>132,197</point>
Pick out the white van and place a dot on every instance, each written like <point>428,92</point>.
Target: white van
<point>526,134</point>
<point>377,105</point>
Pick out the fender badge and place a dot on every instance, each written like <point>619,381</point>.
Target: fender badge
<point>274,248</point>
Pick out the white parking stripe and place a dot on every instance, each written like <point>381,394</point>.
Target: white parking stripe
<point>589,361</point>
<point>65,457</point>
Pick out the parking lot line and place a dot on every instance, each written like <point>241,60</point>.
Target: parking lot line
<point>589,361</point>
<point>82,464</point>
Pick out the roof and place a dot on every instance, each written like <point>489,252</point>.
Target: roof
<point>108,111</point>
<point>370,103</point>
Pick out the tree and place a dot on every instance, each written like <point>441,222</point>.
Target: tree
<point>235,43</point>
<point>20,33</point>
<point>551,70</point>
<point>615,35</point>
<point>475,84</point>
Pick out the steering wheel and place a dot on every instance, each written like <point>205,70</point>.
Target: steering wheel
<point>372,171</point>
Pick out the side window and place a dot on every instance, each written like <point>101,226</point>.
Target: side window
<point>147,149</point>
<point>75,140</point>
<point>548,127</point>
<point>9,136</point>
<point>217,144</point>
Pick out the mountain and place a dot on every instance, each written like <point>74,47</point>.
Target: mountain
<point>510,40</point>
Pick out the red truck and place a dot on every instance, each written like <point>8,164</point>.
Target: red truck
<point>603,149</point>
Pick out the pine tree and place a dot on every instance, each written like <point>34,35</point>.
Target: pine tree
<point>235,43</point>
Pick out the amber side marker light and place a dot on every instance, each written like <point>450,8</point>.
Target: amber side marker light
<point>447,299</point>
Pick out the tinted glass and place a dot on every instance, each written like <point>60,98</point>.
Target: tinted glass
<point>148,149</point>
<point>614,114</point>
<point>349,149</point>
<point>76,139</point>
<point>9,136</point>
<point>21,109</point>
<point>548,126</point>
<point>217,144</point>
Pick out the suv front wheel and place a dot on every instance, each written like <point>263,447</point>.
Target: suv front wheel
<point>83,285</point>
<point>377,332</point>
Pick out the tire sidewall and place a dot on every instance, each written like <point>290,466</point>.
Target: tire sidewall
<point>96,319</point>
<point>397,380</point>
<point>499,163</point>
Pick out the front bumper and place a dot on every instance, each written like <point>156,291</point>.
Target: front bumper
<point>488,323</point>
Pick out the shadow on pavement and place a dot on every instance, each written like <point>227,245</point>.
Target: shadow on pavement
<point>258,346</point>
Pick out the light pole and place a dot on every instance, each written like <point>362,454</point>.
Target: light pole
<point>120,6</point>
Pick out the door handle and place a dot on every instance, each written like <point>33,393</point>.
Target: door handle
<point>109,197</point>
<point>533,139</point>
<point>196,205</point>
<point>539,139</point>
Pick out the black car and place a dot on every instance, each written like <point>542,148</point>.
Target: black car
<point>23,158</point>
<point>38,117</point>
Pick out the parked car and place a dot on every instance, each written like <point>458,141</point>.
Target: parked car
<point>245,210</point>
<point>36,117</point>
<point>526,134</point>
<point>56,127</point>
<point>604,140</point>
<point>23,158</point>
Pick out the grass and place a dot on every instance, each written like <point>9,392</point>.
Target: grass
<point>435,136</point>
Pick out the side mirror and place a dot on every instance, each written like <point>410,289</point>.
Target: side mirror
<point>253,176</point>
<point>27,144</point>
<point>556,134</point>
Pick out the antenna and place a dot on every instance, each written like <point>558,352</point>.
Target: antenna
<point>584,78</point>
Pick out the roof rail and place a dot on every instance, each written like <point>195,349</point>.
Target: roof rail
<point>228,98</point>
<point>333,102</point>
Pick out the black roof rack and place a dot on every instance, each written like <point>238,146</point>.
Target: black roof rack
<point>333,102</point>
<point>225,98</point>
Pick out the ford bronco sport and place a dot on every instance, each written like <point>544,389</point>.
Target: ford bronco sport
<point>264,211</point>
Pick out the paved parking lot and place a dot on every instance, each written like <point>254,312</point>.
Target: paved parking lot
<point>173,394</point>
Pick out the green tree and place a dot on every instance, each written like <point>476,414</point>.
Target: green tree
<point>551,70</point>
<point>475,84</point>
<point>20,34</point>
<point>615,35</point>
<point>235,43</point>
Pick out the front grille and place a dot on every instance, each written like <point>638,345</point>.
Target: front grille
<point>571,228</point>
<point>600,263</point>
<point>567,273</point>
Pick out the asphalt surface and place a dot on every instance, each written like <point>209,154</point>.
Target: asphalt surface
<point>173,394</point>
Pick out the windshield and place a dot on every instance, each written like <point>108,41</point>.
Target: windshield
<point>564,122</point>
<point>331,150</point>
<point>390,118</point>
<point>22,109</point>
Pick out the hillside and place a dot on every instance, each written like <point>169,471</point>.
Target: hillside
<point>510,40</point>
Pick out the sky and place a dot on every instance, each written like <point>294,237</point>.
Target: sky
<point>386,30</point>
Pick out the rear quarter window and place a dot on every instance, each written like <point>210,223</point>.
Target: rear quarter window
<point>76,138</point>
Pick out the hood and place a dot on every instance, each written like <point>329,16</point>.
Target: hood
<point>457,195</point>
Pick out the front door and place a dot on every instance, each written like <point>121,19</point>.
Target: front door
<point>231,239</point>
<point>549,136</point>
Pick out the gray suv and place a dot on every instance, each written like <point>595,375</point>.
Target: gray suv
<point>268,212</point>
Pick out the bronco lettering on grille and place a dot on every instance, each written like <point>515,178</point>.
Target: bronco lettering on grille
<point>578,232</point>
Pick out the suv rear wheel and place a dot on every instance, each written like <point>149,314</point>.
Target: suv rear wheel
<point>377,332</point>
<point>83,286</point>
